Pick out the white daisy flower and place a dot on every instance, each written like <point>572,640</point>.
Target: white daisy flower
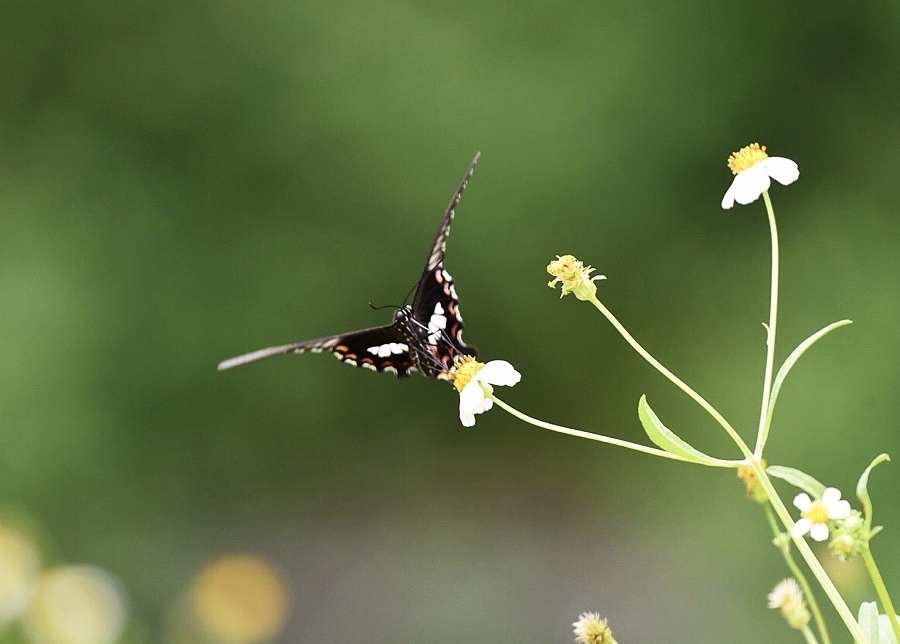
<point>470,377</point>
<point>815,515</point>
<point>754,170</point>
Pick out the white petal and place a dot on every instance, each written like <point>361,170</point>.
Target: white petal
<point>488,403</point>
<point>499,372</point>
<point>728,199</point>
<point>802,502</point>
<point>750,184</point>
<point>801,527</point>
<point>830,496</point>
<point>467,420</point>
<point>819,531</point>
<point>840,510</point>
<point>783,170</point>
<point>471,398</point>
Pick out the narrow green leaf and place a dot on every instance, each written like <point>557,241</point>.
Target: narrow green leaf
<point>795,355</point>
<point>798,479</point>
<point>868,622</point>
<point>862,491</point>
<point>666,439</point>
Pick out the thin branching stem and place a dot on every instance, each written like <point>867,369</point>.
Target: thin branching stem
<point>785,549</point>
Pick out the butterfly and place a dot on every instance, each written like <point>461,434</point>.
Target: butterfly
<point>425,336</point>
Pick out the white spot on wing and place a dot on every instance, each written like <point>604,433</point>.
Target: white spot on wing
<point>436,324</point>
<point>384,350</point>
<point>368,365</point>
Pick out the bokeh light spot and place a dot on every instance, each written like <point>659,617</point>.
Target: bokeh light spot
<point>19,569</point>
<point>239,598</point>
<point>75,605</point>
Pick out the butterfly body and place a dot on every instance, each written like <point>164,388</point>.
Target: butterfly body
<point>425,336</point>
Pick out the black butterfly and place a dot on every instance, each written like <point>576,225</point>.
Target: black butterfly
<point>425,336</point>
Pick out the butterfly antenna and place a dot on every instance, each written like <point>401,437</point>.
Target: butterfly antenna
<point>410,293</point>
<point>379,307</point>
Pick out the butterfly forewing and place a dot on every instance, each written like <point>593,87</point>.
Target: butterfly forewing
<point>425,336</point>
<point>435,304</point>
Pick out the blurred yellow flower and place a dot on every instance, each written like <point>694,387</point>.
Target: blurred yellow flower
<point>239,599</point>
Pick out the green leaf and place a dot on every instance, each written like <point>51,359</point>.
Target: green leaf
<point>862,491</point>
<point>666,439</point>
<point>795,355</point>
<point>868,622</point>
<point>798,479</point>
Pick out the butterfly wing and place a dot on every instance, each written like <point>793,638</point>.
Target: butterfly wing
<point>381,348</point>
<point>435,307</point>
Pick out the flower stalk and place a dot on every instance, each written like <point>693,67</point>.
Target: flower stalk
<point>765,414</point>
<point>637,447</point>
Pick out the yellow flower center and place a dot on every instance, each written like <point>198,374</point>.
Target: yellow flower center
<point>463,371</point>
<point>817,512</point>
<point>746,157</point>
<point>574,276</point>
<point>566,268</point>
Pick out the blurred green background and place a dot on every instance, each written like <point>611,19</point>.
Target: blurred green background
<point>180,184</point>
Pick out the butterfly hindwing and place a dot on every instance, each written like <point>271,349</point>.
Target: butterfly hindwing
<point>382,348</point>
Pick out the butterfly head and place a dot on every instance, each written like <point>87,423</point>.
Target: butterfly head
<point>403,315</point>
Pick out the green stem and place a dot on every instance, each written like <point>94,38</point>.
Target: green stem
<point>881,589</point>
<point>765,416</point>
<point>808,635</point>
<point>582,434</point>
<point>809,557</point>
<point>678,382</point>
<point>785,549</point>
